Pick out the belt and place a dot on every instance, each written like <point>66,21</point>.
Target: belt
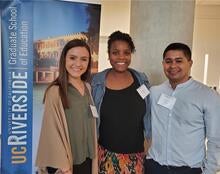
<point>172,167</point>
<point>177,167</point>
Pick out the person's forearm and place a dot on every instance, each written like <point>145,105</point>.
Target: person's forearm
<point>95,165</point>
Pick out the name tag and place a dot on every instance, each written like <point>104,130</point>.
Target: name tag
<point>94,111</point>
<point>166,101</point>
<point>143,91</point>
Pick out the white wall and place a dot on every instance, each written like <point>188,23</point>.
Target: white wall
<point>206,40</point>
<point>115,15</point>
<point>154,25</point>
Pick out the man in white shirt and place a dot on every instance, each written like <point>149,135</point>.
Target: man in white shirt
<point>184,114</point>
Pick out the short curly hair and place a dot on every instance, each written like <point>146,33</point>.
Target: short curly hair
<point>118,35</point>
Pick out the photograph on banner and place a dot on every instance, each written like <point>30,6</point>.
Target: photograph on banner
<point>35,33</point>
<point>74,20</point>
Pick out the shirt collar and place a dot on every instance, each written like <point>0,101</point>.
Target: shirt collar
<point>181,85</point>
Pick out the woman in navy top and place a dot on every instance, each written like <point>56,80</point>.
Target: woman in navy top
<point>123,111</point>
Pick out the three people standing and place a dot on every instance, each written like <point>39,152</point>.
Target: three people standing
<point>183,113</point>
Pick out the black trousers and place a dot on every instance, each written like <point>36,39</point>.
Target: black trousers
<point>84,168</point>
<point>153,167</point>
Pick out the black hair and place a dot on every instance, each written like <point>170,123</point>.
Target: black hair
<point>179,46</point>
<point>118,35</point>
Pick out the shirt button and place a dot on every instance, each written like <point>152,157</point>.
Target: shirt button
<point>170,114</point>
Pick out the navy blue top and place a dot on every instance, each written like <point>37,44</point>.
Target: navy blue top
<point>121,126</point>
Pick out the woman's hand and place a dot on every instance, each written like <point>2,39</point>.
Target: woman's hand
<point>64,171</point>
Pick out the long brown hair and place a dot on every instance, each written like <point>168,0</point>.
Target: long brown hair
<point>62,79</point>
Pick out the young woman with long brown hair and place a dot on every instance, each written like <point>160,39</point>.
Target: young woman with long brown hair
<point>68,135</point>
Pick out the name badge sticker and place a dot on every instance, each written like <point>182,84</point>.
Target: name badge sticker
<point>143,91</point>
<point>94,111</point>
<point>166,101</point>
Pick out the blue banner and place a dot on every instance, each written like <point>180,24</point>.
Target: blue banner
<point>17,87</point>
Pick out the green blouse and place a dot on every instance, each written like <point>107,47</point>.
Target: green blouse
<point>80,125</point>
